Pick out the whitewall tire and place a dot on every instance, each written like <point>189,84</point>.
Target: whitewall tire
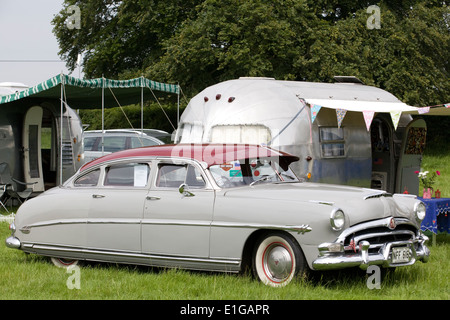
<point>277,259</point>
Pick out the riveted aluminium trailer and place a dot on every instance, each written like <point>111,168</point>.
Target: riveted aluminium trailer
<point>344,133</point>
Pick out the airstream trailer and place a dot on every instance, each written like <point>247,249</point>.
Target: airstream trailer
<point>40,147</point>
<point>344,132</point>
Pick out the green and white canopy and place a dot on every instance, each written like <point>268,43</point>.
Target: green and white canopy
<point>93,93</point>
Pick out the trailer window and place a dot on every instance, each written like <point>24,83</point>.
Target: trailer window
<point>332,142</point>
<point>190,132</point>
<point>251,134</point>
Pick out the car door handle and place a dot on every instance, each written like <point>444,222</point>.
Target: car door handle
<point>153,198</point>
<point>97,196</point>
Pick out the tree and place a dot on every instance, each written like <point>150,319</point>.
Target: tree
<point>232,38</point>
<point>407,56</point>
<point>197,43</point>
<point>118,36</point>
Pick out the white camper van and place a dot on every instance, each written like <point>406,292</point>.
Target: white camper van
<point>344,132</point>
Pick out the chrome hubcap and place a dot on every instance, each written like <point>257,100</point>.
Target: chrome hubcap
<point>277,262</point>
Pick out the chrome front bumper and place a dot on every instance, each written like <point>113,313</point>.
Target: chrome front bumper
<point>363,259</point>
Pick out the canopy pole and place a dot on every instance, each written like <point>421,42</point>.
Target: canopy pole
<point>178,106</point>
<point>61,132</point>
<point>142,104</point>
<point>103,113</point>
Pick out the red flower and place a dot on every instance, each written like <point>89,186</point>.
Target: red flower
<point>438,173</point>
<point>416,172</point>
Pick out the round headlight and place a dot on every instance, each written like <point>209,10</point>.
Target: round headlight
<point>337,220</point>
<point>420,211</point>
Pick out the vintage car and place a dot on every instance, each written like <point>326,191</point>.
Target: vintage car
<point>219,208</point>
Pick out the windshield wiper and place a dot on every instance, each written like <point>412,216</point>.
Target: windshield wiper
<point>263,178</point>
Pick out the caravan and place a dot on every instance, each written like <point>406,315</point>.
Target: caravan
<point>41,147</point>
<point>344,132</point>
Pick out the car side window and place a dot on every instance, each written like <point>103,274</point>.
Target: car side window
<point>88,180</point>
<point>137,142</point>
<point>113,144</point>
<point>127,175</point>
<point>173,175</point>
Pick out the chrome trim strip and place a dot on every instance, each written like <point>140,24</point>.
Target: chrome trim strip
<point>377,195</point>
<point>146,258</point>
<point>327,203</point>
<point>294,228</point>
<point>168,222</point>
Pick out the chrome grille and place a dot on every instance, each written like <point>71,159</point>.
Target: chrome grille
<point>377,233</point>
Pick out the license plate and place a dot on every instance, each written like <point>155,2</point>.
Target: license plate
<point>401,255</point>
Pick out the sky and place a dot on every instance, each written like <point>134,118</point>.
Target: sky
<point>26,36</point>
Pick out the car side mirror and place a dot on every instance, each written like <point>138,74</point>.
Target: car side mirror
<point>183,189</point>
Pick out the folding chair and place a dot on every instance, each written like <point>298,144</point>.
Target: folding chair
<point>2,192</point>
<point>10,184</point>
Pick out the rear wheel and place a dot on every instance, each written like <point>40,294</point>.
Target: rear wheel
<point>64,263</point>
<point>277,259</point>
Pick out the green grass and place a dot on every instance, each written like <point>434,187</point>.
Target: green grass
<point>32,277</point>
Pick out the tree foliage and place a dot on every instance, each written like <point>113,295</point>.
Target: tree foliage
<point>197,43</point>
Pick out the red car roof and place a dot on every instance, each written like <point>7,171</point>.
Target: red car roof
<point>209,153</point>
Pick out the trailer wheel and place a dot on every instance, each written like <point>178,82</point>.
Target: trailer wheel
<point>277,259</point>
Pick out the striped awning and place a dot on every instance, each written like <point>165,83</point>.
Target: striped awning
<point>87,94</point>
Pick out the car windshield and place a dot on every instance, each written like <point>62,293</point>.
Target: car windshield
<point>250,172</point>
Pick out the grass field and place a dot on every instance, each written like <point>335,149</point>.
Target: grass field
<point>31,277</point>
<point>28,276</point>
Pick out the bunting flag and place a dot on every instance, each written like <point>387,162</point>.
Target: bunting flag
<point>368,117</point>
<point>340,114</point>
<point>423,110</point>
<point>395,115</point>
<point>427,109</point>
<point>314,111</point>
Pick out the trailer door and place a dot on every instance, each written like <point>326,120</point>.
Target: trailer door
<point>413,145</point>
<point>32,148</point>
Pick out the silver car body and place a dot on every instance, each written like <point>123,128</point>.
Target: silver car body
<point>207,224</point>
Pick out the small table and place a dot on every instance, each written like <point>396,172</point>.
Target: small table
<point>436,218</point>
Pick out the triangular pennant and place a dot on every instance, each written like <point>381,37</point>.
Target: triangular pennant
<point>314,111</point>
<point>423,110</point>
<point>340,114</point>
<point>395,115</point>
<point>368,117</point>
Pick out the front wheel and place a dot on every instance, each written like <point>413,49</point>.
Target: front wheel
<point>277,259</point>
